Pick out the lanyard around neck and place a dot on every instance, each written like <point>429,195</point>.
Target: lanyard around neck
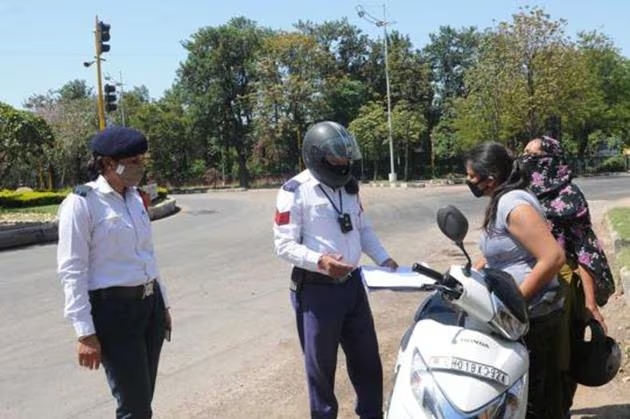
<point>338,210</point>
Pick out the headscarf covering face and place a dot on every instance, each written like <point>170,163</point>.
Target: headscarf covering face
<point>548,171</point>
<point>567,209</point>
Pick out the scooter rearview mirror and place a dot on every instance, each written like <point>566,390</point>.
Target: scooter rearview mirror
<point>452,223</point>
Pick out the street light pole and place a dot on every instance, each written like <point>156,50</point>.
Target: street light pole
<point>119,83</point>
<point>120,100</point>
<point>363,14</point>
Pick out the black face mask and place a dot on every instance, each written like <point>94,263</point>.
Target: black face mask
<point>335,176</point>
<point>475,189</point>
<point>532,162</point>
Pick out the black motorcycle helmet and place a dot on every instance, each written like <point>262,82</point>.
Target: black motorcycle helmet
<point>325,145</point>
<point>597,361</point>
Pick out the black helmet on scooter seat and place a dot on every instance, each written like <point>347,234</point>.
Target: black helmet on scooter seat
<point>328,151</point>
<point>595,362</point>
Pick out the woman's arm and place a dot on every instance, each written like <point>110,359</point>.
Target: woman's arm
<point>480,263</point>
<point>532,231</point>
<point>588,285</point>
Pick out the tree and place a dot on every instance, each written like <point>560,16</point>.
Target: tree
<point>408,125</point>
<point>70,111</point>
<point>25,140</point>
<point>610,74</point>
<point>288,93</point>
<point>370,130</point>
<point>528,72</point>
<point>343,88</point>
<point>451,53</point>
<point>216,83</point>
<point>174,155</point>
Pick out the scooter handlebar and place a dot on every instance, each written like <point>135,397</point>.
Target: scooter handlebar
<point>425,270</point>
<point>445,283</point>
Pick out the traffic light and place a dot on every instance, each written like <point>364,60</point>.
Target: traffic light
<point>102,36</point>
<point>110,97</point>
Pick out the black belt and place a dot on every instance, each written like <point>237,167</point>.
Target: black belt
<point>139,292</point>
<point>301,276</point>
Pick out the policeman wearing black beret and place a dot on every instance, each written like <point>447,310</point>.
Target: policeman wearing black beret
<point>106,262</point>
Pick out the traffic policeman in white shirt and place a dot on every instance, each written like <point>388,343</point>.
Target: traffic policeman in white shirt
<point>106,264</point>
<point>321,229</point>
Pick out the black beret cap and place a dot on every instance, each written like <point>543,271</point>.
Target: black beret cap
<point>119,142</point>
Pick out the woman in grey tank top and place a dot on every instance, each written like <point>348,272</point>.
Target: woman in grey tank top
<point>516,238</point>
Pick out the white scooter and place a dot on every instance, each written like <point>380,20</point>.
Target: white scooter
<point>463,357</point>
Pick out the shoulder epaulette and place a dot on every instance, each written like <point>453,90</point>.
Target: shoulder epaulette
<point>82,190</point>
<point>291,185</point>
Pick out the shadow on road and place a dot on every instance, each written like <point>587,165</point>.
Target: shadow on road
<point>603,412</point>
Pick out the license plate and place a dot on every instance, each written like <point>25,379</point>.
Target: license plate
<point>469,367</point>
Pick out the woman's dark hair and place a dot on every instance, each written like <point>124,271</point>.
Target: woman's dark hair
<point>95,166</point>
<point>494,160</point>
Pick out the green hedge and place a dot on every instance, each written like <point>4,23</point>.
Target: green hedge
<point>14,199</point>
<point>613,164</point>
<point>162,192</point>
<point>27,199</point>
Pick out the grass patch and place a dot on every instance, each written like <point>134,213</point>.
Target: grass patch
<point>44,209</point>
<point>620,220</point>
<point>623,258</point>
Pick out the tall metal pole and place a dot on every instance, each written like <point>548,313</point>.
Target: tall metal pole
<point>392,172</point>
<point>122,108</point>
<point>384,22</point>
<point>99,81</point>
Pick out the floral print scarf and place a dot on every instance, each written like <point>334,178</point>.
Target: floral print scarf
<point>567,210</point>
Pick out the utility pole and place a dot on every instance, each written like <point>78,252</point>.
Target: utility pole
<point>120,101</point>
<point>363,14</point>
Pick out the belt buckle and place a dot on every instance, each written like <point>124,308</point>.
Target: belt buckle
<point>148,290</point>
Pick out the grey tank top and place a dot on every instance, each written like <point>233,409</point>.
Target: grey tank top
<point>503,251</point>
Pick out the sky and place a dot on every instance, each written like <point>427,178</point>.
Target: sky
<point>44,43</point>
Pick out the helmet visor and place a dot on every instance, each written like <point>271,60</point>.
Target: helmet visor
<point>341,149</point>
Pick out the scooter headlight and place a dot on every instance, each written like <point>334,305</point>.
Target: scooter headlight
<point>510,404</point>
<point>423,386</point>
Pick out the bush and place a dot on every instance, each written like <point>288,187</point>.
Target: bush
<point>613,164</point>
<point>162,192</point>
<point>15,199</point>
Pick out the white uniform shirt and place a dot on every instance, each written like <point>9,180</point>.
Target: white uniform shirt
<point>306,225</point>
<point>105,240</point>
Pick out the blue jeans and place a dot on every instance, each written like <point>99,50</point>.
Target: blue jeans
<point>131,333</point>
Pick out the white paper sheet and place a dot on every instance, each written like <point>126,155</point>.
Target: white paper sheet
<point>377,277</point>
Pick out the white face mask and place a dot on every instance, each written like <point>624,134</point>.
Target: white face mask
<point>131,174</point>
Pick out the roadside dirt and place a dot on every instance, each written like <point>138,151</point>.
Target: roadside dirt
<point>275,387</point>
<point>611,401</point>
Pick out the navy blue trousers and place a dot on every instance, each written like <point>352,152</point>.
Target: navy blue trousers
<point>131,333</point>
<point>328,315</point>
